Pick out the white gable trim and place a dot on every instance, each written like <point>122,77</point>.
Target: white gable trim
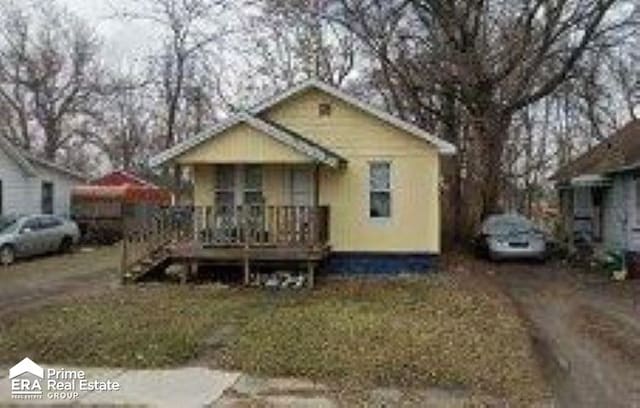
<point>56,167</point>
<point>297,144</point>
<point>15,154</point>
<point>443,146</point>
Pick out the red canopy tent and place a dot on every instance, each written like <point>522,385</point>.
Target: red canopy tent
<point>100,207</point>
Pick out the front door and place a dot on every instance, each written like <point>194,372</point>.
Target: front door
<point>301,186</point>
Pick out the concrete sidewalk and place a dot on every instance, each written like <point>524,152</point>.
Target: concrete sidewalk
<point>202,387</point>
<point>183,387</point>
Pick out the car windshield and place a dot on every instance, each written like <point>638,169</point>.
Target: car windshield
<point>8,222</point>
<point>507,224</point>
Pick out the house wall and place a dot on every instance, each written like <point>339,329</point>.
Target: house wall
<point>616,214</point>
<point>62,186</point>
<point>17,190</point>
<point>22,194</point>
<point>633,208</point>
<point>414,226</point>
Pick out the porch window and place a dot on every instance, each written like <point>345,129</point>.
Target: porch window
<point>253,185</point>
<point>225,188</point>
<point>380,190</point>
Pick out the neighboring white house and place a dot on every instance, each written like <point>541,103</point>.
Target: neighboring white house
<point>30,185</point>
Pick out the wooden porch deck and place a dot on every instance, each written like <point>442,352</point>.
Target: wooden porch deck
<point>254,237</point>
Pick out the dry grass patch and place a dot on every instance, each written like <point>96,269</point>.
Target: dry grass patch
<point>401,333</point>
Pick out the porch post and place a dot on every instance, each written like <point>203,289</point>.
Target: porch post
<point>316,204</point>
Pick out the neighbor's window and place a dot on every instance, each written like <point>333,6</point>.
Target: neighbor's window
<point>380,190</point>
<point>47,197</point>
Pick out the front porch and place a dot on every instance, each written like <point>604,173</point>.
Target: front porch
<point>254,216</point>
<point>258,237</point>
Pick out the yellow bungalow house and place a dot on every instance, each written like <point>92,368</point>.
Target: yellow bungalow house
<point>315,175</point>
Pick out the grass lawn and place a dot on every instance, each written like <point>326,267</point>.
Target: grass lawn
<point>404,333</point>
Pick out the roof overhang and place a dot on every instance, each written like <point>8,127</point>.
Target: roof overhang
<point>297,142</point>
<point>18,157</point>
<point>56,167</point>
<point>591,180</point>
<point>443,146</point>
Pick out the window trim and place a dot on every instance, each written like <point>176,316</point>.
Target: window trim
<point>389,191</point>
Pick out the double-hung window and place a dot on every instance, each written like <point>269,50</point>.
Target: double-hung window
<point>380,189</point>
<point>47,197</point>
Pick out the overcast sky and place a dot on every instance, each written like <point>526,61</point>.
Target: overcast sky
<point>122,40</point>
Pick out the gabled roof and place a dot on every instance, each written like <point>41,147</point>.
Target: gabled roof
<point>278,132</point>
<point>443,146</point>
<point>122,177</point>
<point>255,119</point>
<point>29,162</point>
<point>17,157</point>
<point>619,152</point>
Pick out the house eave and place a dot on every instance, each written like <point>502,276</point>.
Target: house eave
<point>314,152</point>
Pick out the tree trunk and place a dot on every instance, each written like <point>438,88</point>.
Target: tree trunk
<point>52,137</point>
<point>491,130</point>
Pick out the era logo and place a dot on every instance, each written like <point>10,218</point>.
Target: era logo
<point>25,380</point>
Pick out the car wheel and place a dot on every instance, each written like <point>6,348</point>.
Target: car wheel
<point>7,255</point>
<point>493,256</point>
<point>65,244</point>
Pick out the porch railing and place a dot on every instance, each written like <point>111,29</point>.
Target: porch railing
<point>144,236</point>
<point>261,225</point>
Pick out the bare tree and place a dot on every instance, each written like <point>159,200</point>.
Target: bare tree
<point>50,73</point>
<point>189,28</point>
<point>125,129</point>
<point>489,58</point>
<point>13,98</point>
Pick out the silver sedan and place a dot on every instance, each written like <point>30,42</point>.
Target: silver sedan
<point>512,236</point>
<point>28,235</point>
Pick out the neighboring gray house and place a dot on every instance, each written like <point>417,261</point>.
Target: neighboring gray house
<point>30,185</point>
<point>600,193</point>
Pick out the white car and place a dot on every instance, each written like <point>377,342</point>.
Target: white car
<point>28,235</point>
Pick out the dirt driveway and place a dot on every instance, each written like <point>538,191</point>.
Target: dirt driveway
<point>37,281</point>
<point>586,328</point>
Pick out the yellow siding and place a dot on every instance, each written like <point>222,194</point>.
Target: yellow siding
<point>360,138</point>
<point>275,187</point>
<point>242,144</point>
